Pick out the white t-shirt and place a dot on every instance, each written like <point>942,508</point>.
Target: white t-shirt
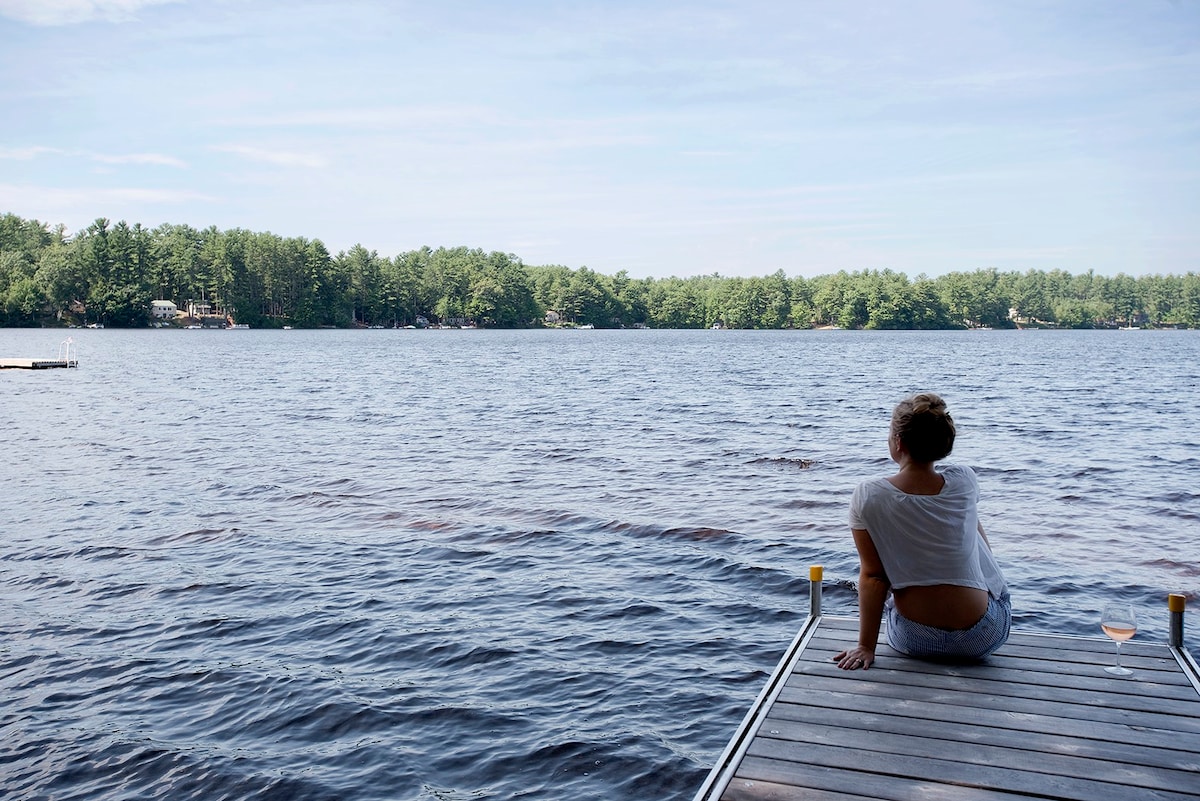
<point>928,539</point>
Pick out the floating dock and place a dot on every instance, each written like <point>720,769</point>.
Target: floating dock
<point>65,358</point>
<point>36,364</point>
<point>1039,719</point>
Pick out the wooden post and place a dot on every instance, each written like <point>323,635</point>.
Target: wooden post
<point>815,574</point>
<point>1175,604</point>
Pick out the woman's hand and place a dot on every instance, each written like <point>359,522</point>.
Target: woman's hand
<point>855,658</point>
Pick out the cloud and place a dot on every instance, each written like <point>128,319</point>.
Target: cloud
<point>77,206</point>
<point>26,153</point>
<point>69,12</point>
<point>82,196</point>
<point>476,126</point>
<point>141,158</point>
<point>35,151</point>
<point>279,157</point>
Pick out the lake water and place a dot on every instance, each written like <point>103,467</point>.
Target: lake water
<point>514,564</point>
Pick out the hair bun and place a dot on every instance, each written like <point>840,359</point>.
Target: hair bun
<point>924,427</point>
<point>928,403</point>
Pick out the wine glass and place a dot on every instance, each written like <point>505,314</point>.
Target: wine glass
<point>1118,622</point>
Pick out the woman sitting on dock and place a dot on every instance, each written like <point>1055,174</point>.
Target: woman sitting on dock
<point>918,536</point>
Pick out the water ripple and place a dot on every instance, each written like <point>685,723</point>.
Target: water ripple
<point>515,564</point>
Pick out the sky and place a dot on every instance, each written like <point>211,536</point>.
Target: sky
<point>659,138</point>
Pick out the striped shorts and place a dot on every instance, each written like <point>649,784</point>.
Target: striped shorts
<point>927,642</point>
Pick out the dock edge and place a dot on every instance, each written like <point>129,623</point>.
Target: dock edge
<point>726,765</point>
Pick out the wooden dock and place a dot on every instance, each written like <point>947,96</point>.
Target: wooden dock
<point>1040,719</point>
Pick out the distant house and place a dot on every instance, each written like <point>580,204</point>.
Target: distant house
<point>163,310</point>
<point>553,317</point>
<point>199,309</point>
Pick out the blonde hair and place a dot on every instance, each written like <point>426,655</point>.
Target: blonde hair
<point>924,427</point>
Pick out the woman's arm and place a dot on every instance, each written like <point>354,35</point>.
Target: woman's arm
<point>873,588</point>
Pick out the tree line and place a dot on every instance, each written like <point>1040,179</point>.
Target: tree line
<point>109,274</point>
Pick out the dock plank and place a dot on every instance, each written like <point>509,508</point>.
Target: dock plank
<point>1003,676</point>
<point>976,746</point>
<point>886,767</point>
<point>1032,733</point>
<point>1055,719</point>
<point>1171,720</point>
<point>766,780</point>
<point>1039,719</point>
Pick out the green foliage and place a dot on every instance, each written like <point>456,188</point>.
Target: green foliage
<point>975,299</point>
<point>21,303</point>
<point>109,273</point>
